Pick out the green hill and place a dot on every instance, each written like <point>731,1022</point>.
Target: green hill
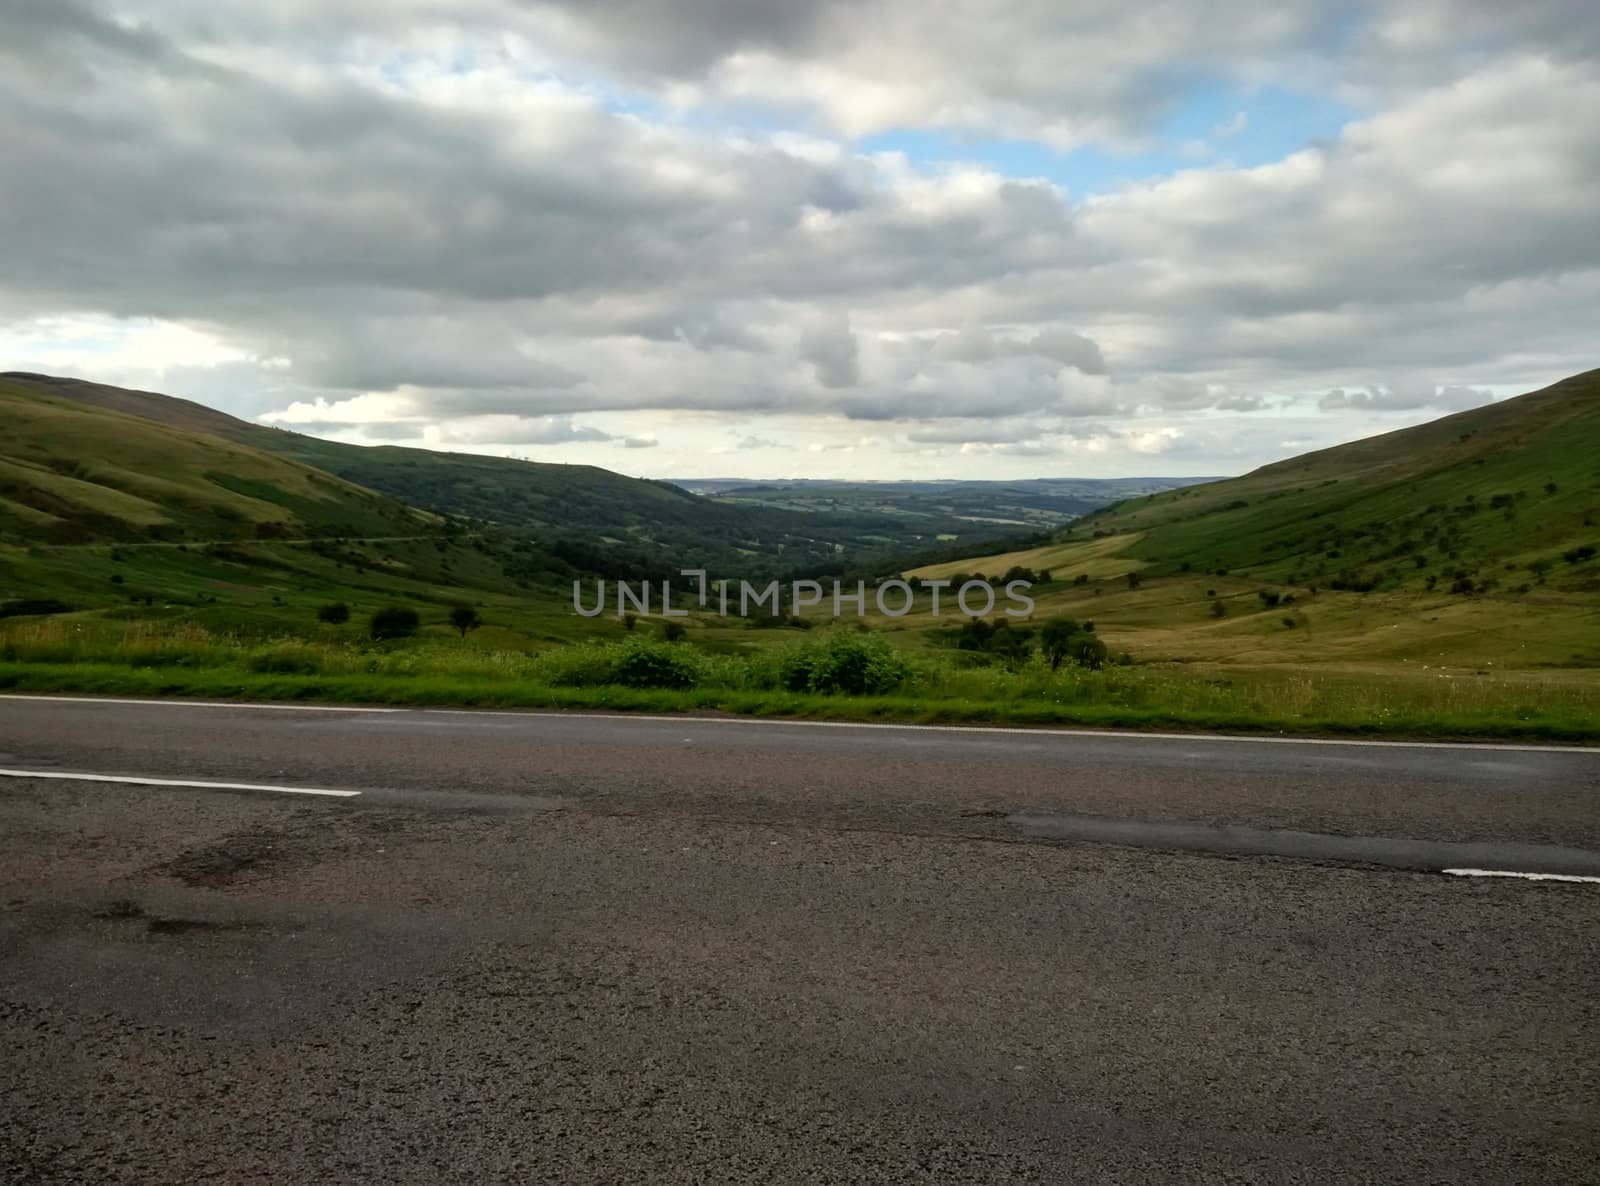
<point>73,474</point>
<point>594,510</point>
<point>1496,497</point>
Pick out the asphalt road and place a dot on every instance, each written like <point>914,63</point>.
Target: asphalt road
<point>591,949</point>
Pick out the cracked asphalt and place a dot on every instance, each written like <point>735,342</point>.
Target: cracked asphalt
<point>582,949</point>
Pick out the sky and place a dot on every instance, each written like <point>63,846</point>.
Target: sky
<point>807,238</point>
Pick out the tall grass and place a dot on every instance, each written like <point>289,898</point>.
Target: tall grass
<point>156,657</point>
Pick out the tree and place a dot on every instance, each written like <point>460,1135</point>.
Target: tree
<point>335,614</point>
<point>464,618</point>
<point>629,621</point>
<point>1088,651</point>
<point>393,621</point>
<point>672,631</point>
<point>1056,638</point>
<point>1134,580</point>
<point>1218,610</point>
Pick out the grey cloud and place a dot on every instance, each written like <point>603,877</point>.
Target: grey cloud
<point>976,343</point>
<point>830,346</point>
<point>639,442</point>
<point>1070,348</point>
<point>1404,396</point>
<point>541,430</point>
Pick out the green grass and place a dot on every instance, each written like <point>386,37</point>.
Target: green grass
<point>153,658</point>
<point>72,473</point>
<point>1487,496</point>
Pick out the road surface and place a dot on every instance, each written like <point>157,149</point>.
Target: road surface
<point>297,944</point>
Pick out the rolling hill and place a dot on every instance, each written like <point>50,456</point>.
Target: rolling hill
<point>656,524</point>
<point>1501,496</point>
<point>76,474</point>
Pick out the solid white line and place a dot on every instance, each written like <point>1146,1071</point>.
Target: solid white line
<point>789,722</point>
<point>135,780</point>
<point>114,700</point>
<point>1019,730</point>
<point>1523,876</point>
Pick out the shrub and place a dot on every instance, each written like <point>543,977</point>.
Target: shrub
<point>1088,651</point>
<point>1218,610</point>
<point>286,660</point>
<point>629,622</point>
<point>335,613</point>
<point>393,621</point>
<point>853,664</point>
<point>640,663</point>
<point>673,631</point>
<point>1134,580</point>
<point>33,606</point>
<point>1578,555</point>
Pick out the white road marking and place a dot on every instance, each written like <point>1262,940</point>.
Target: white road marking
<point>198,784</point>
<point>1523,876</point>
<point>282,707</point>
<point>1033,731</point>
<point>790,722</point>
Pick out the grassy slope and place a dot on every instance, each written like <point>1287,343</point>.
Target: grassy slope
<point>1367,510</point>
<point>579,500</point>
<point>72,474</point>
<point>1359,515</point>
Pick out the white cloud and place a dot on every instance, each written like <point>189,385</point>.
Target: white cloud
<point>498,224</point>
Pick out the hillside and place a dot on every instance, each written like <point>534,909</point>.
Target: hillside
<point>76,474</point>
<point>1498,497</point>
<point>656,523</point>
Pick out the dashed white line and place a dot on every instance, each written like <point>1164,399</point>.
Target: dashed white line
<point>281,707</point>
<point>1522,876</point>
<point>191,783</point>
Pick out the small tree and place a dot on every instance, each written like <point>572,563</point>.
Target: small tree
<point>393,621</point>
<point>335,614</point>
<point>1218,610</point>
<point>629,621</point>
<point>1088,651</point>
<point>672,631</point>
<point>1134,580</point>
<point>464,618</point>
<point>1055,640</point>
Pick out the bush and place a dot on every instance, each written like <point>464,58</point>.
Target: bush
<point>335,614</point>
<point>286,660</point>
<point>853,664</point>
<point>673,631</point>
<point>640,663</point>
<point>393,621</point>
<point>33,606</point>
<point>1218,610</point>
<point>1063,640</point>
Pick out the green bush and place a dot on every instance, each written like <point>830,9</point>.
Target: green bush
<point>286,660</point>
<point>393,621</point>
<point>852,664</point>
<point>334,614</point>
<point>639,663</point>
<point>33,606</point>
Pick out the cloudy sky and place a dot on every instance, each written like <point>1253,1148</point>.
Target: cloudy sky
<point>868,238</point>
